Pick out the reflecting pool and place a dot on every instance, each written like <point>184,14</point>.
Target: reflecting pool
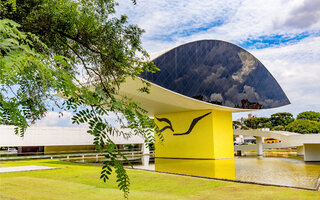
<point>286,170</point>
<point>278,171</point>
<point>267,170</point>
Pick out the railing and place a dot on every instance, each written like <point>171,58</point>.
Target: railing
<point>67,156</point>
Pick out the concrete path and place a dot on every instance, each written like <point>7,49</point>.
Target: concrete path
<point>25,168</point>
<point>147,167</point>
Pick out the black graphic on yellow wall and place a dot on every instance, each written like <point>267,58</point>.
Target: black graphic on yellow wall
<point>166,127</point>
<point>193,123</point>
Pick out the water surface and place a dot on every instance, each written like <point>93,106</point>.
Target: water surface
<point>286,170</point>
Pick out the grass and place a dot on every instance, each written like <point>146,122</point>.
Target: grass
<point>81,181</point>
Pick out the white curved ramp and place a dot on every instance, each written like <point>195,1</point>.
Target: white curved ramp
<point>309,142</point>
<point>288,139</point>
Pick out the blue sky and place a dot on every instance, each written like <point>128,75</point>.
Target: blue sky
<point>283,35</point>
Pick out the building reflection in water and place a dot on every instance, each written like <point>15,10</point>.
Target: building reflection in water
<point>266,170</point>
<point>224,168</point>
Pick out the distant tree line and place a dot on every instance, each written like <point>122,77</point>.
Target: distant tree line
<point>307,122</point>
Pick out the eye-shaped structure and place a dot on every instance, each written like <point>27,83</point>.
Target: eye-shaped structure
<point>219,73</point>
<point>206,75</point>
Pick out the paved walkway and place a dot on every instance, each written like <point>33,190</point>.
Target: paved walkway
<point>24,168</point>
<point>147,167</point>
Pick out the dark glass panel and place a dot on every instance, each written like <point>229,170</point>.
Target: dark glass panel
<point>218,72</point>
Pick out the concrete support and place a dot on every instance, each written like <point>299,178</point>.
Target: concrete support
<point>300,151</point>
<point>145,160</point>
<point>145,149</point>
<point>259,141</point>
<point>311,152</point>
<point>19,150</point>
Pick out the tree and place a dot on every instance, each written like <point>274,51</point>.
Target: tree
<point>304,126</point>
<point>79,50</point>
<point>264,122</point>
<point>278,128</point>
<point>309,115</point>
<point>252,123</point>
<point>281,119</point>
<point>236,124</point>
<point>259,122</point>
<point>244,127</point>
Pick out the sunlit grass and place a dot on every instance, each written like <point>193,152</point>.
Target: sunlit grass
<point>81,181</point>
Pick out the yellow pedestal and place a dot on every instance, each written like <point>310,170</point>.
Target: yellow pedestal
<point>224,168</point>
<point>203,134</point>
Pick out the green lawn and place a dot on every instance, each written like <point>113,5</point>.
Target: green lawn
<point>80,181</point>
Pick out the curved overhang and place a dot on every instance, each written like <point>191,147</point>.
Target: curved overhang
<point>161,100</point>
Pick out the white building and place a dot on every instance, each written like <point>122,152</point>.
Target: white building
<point>58,139</point>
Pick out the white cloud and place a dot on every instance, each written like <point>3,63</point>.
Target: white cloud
<point>64,119</point>
<point>56,119</point>
<point>249,64</point>
<point>304,15</point>
<point>295,66</point>
<point>169,23</point>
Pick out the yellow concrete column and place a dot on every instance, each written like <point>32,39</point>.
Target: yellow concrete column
<point>202,134</point>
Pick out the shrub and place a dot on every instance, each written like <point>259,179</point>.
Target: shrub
<point>278,128</point>
<point>309,115</point>
<point>244,127</point>
<point>303,126</point>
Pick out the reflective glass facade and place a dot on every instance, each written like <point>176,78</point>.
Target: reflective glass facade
<point>218,72</point>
